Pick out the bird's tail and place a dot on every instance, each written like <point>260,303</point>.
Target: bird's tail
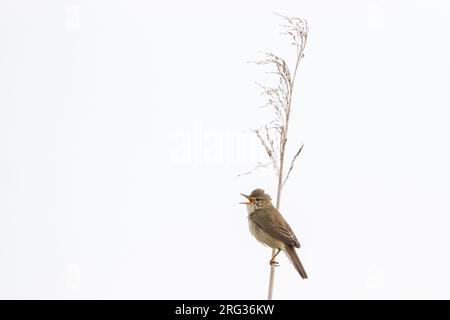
<point>293,257</point>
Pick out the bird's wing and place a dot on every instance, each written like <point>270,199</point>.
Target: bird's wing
<point>275,226</point>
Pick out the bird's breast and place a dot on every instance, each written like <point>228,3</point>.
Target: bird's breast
<point>262,236</point>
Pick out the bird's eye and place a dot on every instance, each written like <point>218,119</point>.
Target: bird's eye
<point>257,199</point>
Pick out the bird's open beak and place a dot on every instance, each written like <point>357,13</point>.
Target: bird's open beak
<point>250,199</point>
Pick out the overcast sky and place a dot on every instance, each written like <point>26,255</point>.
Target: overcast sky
<point>124,125</point>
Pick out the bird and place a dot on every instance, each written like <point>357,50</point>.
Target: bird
<point>269,227</point>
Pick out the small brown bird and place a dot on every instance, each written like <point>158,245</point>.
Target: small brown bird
<point>269,227</point>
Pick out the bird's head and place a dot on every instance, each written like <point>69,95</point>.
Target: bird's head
<point>257,199</point>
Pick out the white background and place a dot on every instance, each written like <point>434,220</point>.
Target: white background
<point>123,126</point>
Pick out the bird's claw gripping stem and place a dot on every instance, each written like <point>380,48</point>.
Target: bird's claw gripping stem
<point>274,263</point>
